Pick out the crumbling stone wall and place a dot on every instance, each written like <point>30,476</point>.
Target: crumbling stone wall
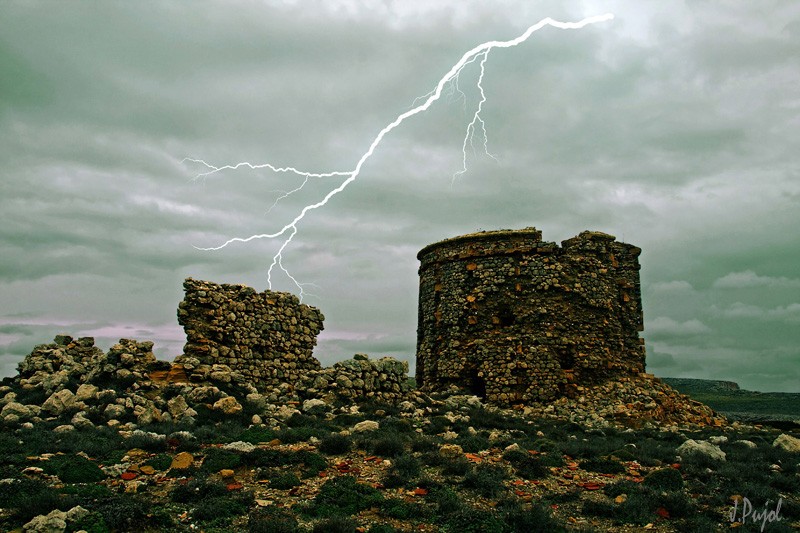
<point>516,319</point>
<point>267,337</point>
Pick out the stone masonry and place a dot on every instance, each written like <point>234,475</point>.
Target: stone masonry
<point>267,337</point>
<point>515,319</point>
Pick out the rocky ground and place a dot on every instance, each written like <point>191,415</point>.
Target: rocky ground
<point>118,441</point>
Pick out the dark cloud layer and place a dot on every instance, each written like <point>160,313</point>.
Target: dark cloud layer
<point>674,127</point>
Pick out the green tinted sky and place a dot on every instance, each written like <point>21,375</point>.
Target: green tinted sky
<point>675,127</point>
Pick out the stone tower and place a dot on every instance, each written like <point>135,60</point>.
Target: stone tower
<point>515,319</point>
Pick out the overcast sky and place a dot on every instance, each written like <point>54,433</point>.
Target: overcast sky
<point>675,127</point>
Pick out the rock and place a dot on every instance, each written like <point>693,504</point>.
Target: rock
<point>64,428</point>
<point>451,451</point>
<point>787,443</point>
<point>512,448</point>
<point>81,421</point>
<point>449,435</point>
<point>203,394</point>
<point>147,414</point>
<point>114,411</point>
<point>86,393</point>
<point>256,420</point>
<point>718,439</point>
<point>59,402</point>
<point>240,446</point>
<point>366,425</point>
<point>312,403</point>
<point>53,522</point>
<point>285,412</point>
<point>228,405</point>
<point>226,473</point>
<point>746,443</point>
<point>693,447</point>
<point>62,339</point>
<point>177,407</point>
<point>22,412</point>
<point>256,401</point>
<point>182,461</point>
<point>76,513</point>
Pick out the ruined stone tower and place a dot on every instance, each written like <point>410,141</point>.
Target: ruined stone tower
<point>515,319</point>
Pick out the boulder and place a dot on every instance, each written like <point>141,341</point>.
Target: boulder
<point>228,405</point>
<point>693,447</point>
<point>59,402</point>
<point>787,443</point>
<point>182,461</point>
<point>366,425</point>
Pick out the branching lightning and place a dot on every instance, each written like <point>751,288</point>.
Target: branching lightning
<point>480,54</point>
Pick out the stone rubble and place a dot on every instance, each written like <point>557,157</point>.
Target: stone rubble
<point>249,366</point>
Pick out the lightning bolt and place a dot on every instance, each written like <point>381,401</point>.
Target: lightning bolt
<point>479,53</point>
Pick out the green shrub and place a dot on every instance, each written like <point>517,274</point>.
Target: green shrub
<point>469,520</point>
<point>91,523</point>
<point>438,424</point>
<point>161,461</point>
<point>396,425</point>
<point>257,434</point>
<point>406,465</point>
<point>623,454</point>
<point>621,487</point>
<point>424,444</point>
<point>445,499</point>
<point>639,508</point>
<point>32,497</point>
<point>271,520</point>
<point>267,457</point>
<point>486,480</point>
<point>217,459</point>
<point>284,481</point>
<point>293,435</point>
<point>455,466</point>
<point>598,508</point>
<point>147,441</point>
<point>537,518</point>
<point>195,490</point>
<point>219,428</point>
<point>551,459</point>
<point>652,452</point>
<point>220,509</point>
<point>546,446</point>
<point>526,466</point>
<point>677,504</point>
<point>344,496</point>
<point>401,510</point>
<point>335,444</point>
<point>131,513</point>
<point>314,463</point>
<point>666,479</point>
<point>73,469</point>
<point>335,524</point>
<point>473,443</point>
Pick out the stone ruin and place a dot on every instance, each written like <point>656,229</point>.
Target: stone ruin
<point>266,339</point>
<point>515,319</point>
<point>502,314</point>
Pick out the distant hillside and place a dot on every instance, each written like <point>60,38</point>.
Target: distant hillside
<point>774,408</point>
<point>692,385</point>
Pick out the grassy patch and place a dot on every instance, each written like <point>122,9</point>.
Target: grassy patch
<point>343,496</point>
